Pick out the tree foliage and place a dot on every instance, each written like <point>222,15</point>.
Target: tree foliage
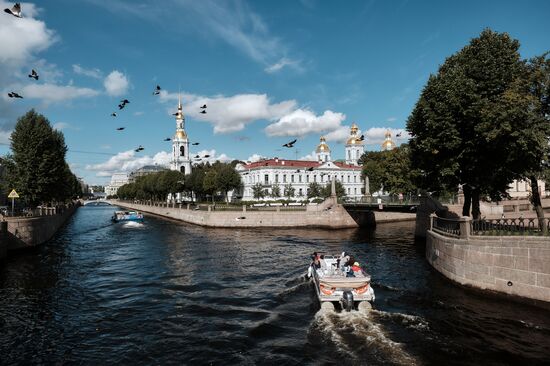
<point>155,186</point>
<point>391,170</point>
<point>469,126</point>
<point>37,169</point>
<point>314,190</point>
<point>258,191</point>
<point>327,190</point>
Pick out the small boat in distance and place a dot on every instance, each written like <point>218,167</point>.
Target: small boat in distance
<point>119,216</point>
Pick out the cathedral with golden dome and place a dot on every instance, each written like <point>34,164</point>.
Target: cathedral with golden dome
<point>388,143</point>
<point>180,144</point>
<point>275,174</point>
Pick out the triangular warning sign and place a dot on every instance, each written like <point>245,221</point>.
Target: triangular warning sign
<point>13,194</point>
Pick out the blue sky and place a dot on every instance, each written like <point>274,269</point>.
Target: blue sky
<point>268,71</point>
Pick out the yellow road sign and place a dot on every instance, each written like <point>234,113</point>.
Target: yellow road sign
<point>13,194</point>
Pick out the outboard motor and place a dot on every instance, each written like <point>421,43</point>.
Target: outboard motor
<point>347,301</point>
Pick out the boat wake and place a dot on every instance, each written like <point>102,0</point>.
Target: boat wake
<point>409,321</point>
<point>359,339</point>
<point>133,224</point>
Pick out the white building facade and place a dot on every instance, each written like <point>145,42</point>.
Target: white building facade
<point>117,181</point>
<point>299,174</point>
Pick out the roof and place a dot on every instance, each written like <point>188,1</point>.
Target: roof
<point>296,164</point>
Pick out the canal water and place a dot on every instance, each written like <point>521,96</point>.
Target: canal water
<point>164,292</point>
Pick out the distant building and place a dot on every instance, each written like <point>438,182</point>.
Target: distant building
<point>300,174</point>
<point>145,170</point>
<point>180,145</point>
<point>522,189</point>
<point>117,181</point>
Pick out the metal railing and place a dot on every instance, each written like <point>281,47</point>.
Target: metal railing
<point>512,226</point>
<point>449,227</point>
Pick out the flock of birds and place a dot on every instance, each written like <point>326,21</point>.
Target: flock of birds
<point>16,11</point>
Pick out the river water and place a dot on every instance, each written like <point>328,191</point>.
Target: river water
<point>164,292</point>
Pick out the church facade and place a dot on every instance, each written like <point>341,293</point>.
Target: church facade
<point>181,160</point>
<point>276,174</point>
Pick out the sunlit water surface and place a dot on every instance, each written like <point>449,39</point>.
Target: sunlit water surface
<point>164,292</point>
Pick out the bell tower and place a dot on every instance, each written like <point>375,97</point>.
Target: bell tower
<point>180,144</point>
<point>354,146</point>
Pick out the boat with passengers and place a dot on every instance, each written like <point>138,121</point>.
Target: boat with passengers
<point>120,216</point>
<point>341,283</point>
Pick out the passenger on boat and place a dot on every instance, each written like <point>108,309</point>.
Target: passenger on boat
<point>356,267</point>
<point>316,260</point>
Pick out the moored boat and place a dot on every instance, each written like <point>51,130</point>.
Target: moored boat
<point>338,282</point>
<point>119,216</point>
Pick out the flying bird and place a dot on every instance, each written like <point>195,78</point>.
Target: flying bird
<point>14,95</point>
<point>157,90</point>
<point>398,135</point>
<point>206,156</point>
<point>120,128</point>
<point>168,139</point>
<point>197,156</point>
<point>113,114</point>
<point>203,111</point>
<point>290,144</point>
<point>15,10</point>
<point>140,148</point>
<point>310,169</point>
<point>33,74</point>
<point>362,138</point>
<point>195,143</point>
<point>123,103</point>
<point>203,107</point>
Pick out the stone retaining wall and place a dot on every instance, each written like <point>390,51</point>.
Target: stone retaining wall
<point>24,232</point>
<point>514,265</point>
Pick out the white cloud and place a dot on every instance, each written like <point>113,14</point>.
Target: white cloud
<point>51,93</point>
<point>128,161</point>
<point>391,119</point>
<point>303,121</point>
<point>375,135</point>
<point>311,156</point>
<point>340,134</point>
<point>230,114</point>
<point>281,64</point>
<point>254,157</point>
<point>93,73</point>
<point>116,83</point>
<point>5,137</point>
<point>139,113</point>
<point>212,157</point>
<point>22,37</point>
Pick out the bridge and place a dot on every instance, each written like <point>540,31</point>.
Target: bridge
<point>405,207</point>
<point>95,203</point>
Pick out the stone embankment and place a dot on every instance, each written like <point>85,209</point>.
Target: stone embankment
<point>25,232</point>
<point>517,265</point>
<point>328,214</point>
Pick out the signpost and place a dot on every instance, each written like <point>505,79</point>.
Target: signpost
<point>13,195</point>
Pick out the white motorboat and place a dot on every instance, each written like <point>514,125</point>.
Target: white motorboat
<point>335,285</point>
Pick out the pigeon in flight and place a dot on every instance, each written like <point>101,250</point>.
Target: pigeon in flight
<point>398,135</point>
<point>123,103</point>
<point>120,128</point>
<point>310,169</point>
<point>15,10</point>
<point>14,95</point>
<point>197,156</point>
<point>113,114</point>
<point>203,107</point>
<point>140,148</point>
<point>362,138</point>
<point>33,74</point>
<point>157,90</point>
<point>290,144</point>
<point>206,156</point>
<point>168,139</point>
<point>195,143</point>
<point>203,111</point>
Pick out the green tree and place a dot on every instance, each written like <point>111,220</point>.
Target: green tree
<point>275,191</point>
<point>227,179</point>
<point>391,169</point>
<point>455,139</point>
<point>289,191</point>
<point>327,190</point>
<point>258,191</point>
<point>38,169</point>
<point>314,190</point>
<point>210,183</point>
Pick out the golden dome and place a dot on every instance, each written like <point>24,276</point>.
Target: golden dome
<point>354,128</point>
<point>181,134</point>
<point>353,139</point>
<point>322,147</point>
<point>388,144</point>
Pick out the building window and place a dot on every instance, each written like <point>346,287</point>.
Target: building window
<point>307,178</point>
<point>355,189</point>
<point>284,178</point>
<point>300,178</point>
<point>292,178</point>
<point>276,178</point>
<point>349,179</point>
<point>182,168</point>
<point>354,179</point>
<point>182,150</point>
<point>300,192</point>
<point>349,155</point>
<point>315,178</point>
<point>266,179</point>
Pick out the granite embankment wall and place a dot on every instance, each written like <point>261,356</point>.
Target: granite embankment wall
<point>25,232</point>
<point>326,215</point>
<point>513,265</point>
